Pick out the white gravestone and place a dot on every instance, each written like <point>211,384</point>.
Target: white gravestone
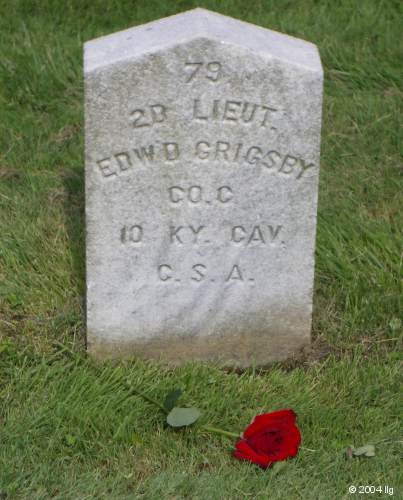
<point>202,163</point>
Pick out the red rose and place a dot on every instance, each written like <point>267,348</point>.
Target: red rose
<point>270,438</point>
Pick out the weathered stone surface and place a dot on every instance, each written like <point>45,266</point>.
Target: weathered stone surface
<point>202,162</point>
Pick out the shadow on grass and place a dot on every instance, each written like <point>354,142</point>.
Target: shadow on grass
<point>74,208</point>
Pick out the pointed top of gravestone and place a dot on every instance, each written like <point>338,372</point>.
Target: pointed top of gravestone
<point>194,24</point>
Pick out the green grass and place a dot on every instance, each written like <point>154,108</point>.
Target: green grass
<point>70,428</point>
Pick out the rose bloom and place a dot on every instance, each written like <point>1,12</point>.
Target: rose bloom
<point>270,438</point>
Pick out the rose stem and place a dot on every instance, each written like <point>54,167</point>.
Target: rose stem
<point>149,399</point>
<point>220,431</point>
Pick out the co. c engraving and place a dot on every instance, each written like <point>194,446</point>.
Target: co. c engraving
<point>196,195</point>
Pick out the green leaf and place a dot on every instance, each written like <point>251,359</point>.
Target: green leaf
<point>181,417</point>
<point>367,451</point>
<point>171,398</point>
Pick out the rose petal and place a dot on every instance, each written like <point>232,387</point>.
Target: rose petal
<point>267,442</point>
<point>261,422</point>
<point>244,452</point>
<point>292,440</point>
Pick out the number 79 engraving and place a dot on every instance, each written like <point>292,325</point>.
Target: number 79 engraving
<point>210,70</point>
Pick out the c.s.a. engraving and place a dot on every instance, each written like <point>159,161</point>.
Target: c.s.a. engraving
<point>200,272</point>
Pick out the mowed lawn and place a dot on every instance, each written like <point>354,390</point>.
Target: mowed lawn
<point>71,429</point>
